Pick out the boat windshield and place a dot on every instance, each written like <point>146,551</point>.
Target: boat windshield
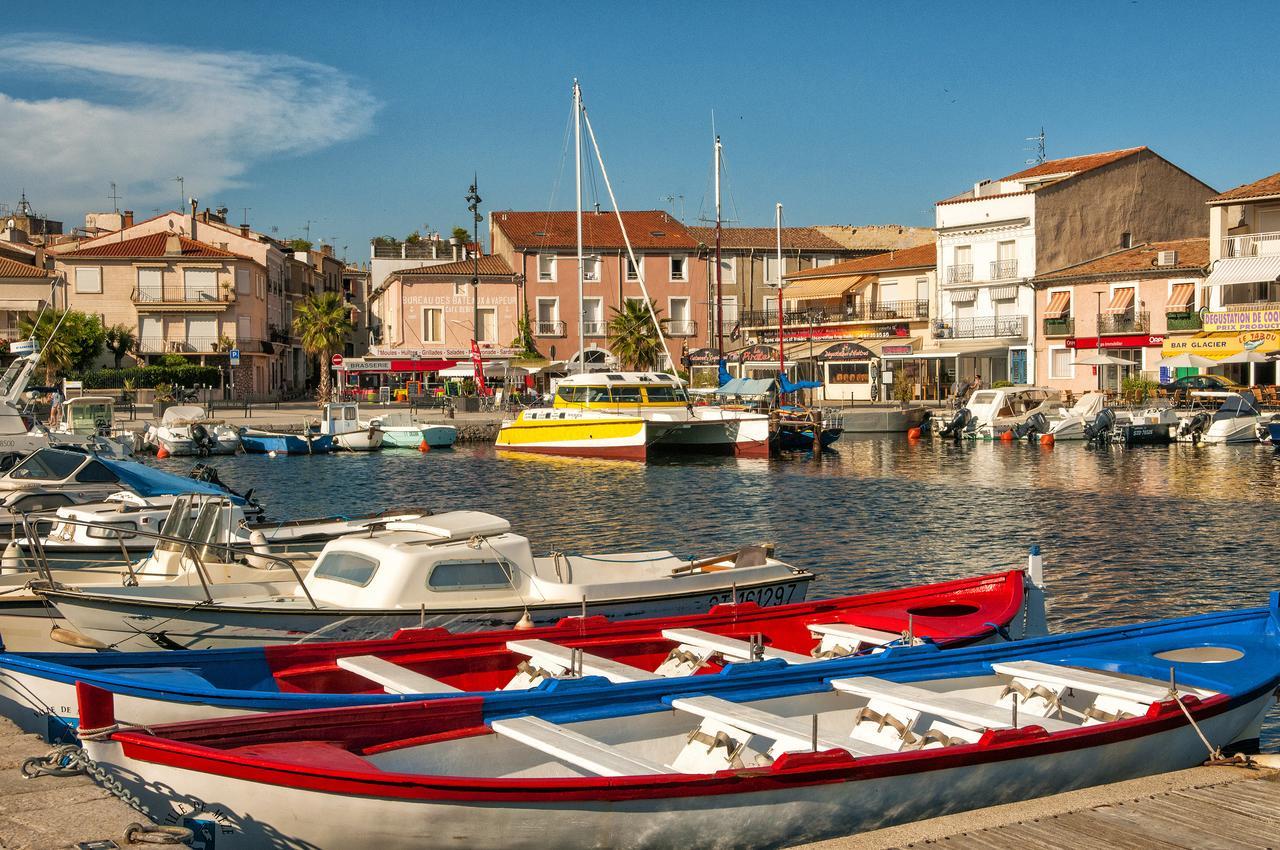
<point>90,417</point>
<point>211,528</point>
<point>176,524</point>
<point>47,466</point>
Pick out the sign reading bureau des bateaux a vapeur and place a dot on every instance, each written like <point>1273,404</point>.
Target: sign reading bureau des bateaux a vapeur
<point>1248,319</point>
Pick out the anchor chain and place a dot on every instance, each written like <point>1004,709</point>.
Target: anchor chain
<point>149,833</point>
<point>71,760</point>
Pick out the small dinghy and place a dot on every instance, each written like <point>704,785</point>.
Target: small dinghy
<point>307,442</point>
<point>463,570</point>
<point>186,429</point>
<point>772,755</point>
<point>37,691</point>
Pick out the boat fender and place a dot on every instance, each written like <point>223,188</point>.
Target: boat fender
<point>1006,437</point>
<point>1046,440</point>
<point>525,621</point>
<point>261,547</point>
<point>70,638</point>
<point>272,453</point>
<point>11,561</point>
<point>161,452</point>
<point>424,447</point>
<point>913,434</point>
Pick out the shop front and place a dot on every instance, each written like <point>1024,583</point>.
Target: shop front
<point>703,366</point>
<point>1261,346</point>
<point>1140,350</point>
<point>848,371</point>
<point>761,361</point>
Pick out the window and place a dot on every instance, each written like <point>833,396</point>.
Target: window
<point>468,575</point>
<point>663,395</point>
<point>488,329</point>
<point>626,395</point>
<point>678,309</point>
<point>888,292</point>
<point>679,262</point>
<point>94,472</point>
<point>459,288</point>
<point>432,324</point>
<point>117,530</point>
<point>922,289</point>
<point>244,329</point>
<point>590,268</point>
<point>964,255</point>
<point>47,466</point>
<point>575,395</point>
<point>728,271</point>
<point>1126,240</point>
<point>546,267</point>
<point>202,332</point>
<point>242,281</point>
<point>150,284</point>
<point>346,567</point>
<point>548,310</point>
<point>202,284</point>
<point>771,271</point>
<point>89,280</point>
<point>1060,364</point>
<point>593,316</point>
<point>632,273</point>
<point>821,260</point>
<point>729,310</point>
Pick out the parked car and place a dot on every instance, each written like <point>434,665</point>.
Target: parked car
<point>1204,382</point>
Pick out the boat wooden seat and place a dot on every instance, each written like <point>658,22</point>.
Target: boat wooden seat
<point>844,639</point>
<point>731,648</point>
<point>554,657</point>
<point>790,734</point>
<point>394,678</point>
<point>958,710</point>
<point>578,750</point>
<point>1093,681</point>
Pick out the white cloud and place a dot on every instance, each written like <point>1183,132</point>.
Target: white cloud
<point>142,114</point>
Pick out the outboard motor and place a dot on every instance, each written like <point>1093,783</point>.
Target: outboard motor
<point>203,440</point>
<point>1099,430</point>
<point>955,427</point>
<point>1033,425</point>
<point>1195,425</point>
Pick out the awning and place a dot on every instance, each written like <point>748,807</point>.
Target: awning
<point>894,346</point>
<point>19,304</point>
<point>1004,293</point>
<point>1181,297</point>
<point>1059,304</point>
<point>828,287</point>
<point>745,387</point>
<point>963,296</point>
<point>1217,346</point>
<point>1244,270</point>
<point>1121,301</point>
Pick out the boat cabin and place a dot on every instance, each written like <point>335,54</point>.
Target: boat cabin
<point>990,405</point>
<point>88,416</point>
<point>343,418</point>
<point>611,390</point>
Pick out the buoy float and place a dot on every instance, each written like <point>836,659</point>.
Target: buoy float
<point>162,452</point>
<point>913,433</point>
<point>1046,439</point>
<point>525,621</point>
<point>1006,437</point>
<point>424,446</point>
<point>272,453</point>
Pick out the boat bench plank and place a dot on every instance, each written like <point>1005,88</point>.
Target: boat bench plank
<point>1086,680</point>
<point>858,633</point>
<point>963,711</point>
<point>792,733</point>
<point>587,753</point>
<point>730,647</point>
<point>592,665</point>
<point>394,678</point>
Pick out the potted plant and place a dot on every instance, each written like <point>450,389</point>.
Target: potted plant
<point>163,400</point>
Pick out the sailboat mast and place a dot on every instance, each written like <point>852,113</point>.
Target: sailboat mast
<point>782,368</point>
<point>719,293</point>
<point>577,173</point>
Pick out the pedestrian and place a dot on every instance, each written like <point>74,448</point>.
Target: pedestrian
<point>55,409</point>
<point>974,385</point>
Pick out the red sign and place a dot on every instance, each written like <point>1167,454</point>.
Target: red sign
<point>1135,341</point>
<point>478,362</point>
<point>336,360</point>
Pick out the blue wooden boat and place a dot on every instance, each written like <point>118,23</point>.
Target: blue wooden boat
<point>800,438</point>
<point>264,442</point>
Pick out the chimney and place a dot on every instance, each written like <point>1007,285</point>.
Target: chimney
<point>244,231</point>
<point>126,219</point>
<point>173,245</point>
<point>39,260</point>
<point>194,205</point>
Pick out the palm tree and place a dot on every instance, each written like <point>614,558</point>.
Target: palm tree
<point>120,340</point>
<point>322,323</point>
<point>632,337</point>
<point>55,349</point>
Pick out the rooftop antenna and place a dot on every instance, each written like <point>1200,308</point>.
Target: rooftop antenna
<point>244,222</point>
<point>1038,150</point>
<point>114,197</point>
<point>182,192</point>
<point>671,202</point>
<point>307,228</point>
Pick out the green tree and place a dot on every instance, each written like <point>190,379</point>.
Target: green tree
<point>632,337</point>
<point>76,345</point>
<point>322,323</point>
<point>413,238</point>
<point>462,235</point>
<point>525,340</point>
<point>120,340</point>
<point>300,244</point>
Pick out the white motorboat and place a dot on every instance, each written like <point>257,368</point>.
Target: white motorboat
<point>1235,421</point>
<point>464,570</point>
<point>186,429</point>
<point>341,421</point>
<point>1068,423</point>
<point>95,416</point>
<point>401,431</point>
<point>1019,410</point>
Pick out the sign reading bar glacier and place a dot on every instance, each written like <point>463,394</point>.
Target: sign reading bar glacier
<point>1236,321</point>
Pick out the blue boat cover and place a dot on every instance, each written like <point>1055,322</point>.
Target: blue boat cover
<point>745,386</point>
<point>787,386</point>
<point>724,376</point>
<point>148,481</point>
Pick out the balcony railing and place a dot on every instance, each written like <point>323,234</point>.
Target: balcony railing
<point>595,328</point>
<point>1064,326</point>
<point>681,327</point>
<point>193,345</point>
<point>867,311</point>
<point>413,251</point>
<point>1004,269</point>
<point>1185,320</point>
<point>1252,245</point>
<point>548,328</point>
<point>960,274</point>
<point>1124,323</point>
<point>181,295</point>
<point>981,328</point>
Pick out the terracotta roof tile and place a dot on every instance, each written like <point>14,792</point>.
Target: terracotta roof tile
<point>793,238</point>
<point>490,266</point>
<point>921,256</point>
<point>13,268</point>
<point>647,229</point>
<point>151,245</point>
<point>1076,164</point>
<point>1267,187</point>
<point>1193,256</point>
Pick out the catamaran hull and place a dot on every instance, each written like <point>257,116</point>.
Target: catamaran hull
<point>241,808</point>
<point>138,625</point>
<point>614,438</point>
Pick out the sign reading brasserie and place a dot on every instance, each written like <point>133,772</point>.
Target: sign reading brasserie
<point>1235,321</point>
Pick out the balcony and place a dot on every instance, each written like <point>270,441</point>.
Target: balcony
<point>960,274</point>
<point>1252,245</point>
<point>1124,323</point>
<point>1004,269</point>
<point>1185,320</point>
<point>1064,326</point>
<point>595,328</point>
<point>550,328</point>
<point>278,334</point>
<point>866,311</point>
<point>993,327</point>
<point>191,345</point>
<point>182,298</point>
<point>681,327</point>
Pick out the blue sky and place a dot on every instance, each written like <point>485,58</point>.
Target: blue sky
<point>370,118</point>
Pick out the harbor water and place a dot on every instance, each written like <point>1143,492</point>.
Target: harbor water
<point>1127,534</point>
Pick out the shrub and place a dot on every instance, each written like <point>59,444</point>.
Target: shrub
<point>998,384</point>
<point>148,377</point>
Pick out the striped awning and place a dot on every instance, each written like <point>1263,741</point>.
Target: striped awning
<point>827,287</point>
<point>1121,301</point>
<point>1181,297</point>
<point>1244,270</point>
<point>1059,304</point>
<point>1004,293</point>
<point>963,296</point>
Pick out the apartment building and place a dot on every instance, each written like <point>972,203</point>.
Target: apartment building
<point>995,239</point>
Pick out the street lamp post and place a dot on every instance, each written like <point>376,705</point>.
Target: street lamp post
<point>473,204</point>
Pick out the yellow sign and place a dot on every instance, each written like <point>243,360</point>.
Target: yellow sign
<point>1236,321</point>
<point>1220,345</point>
